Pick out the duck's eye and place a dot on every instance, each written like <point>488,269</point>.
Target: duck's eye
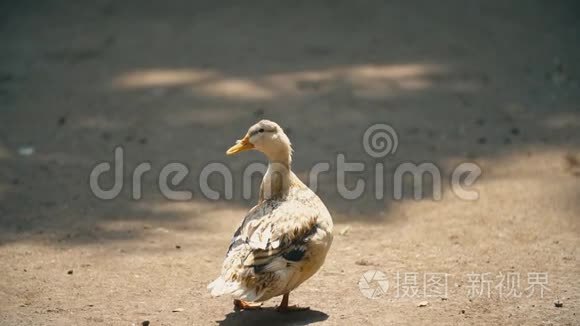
<point>261,130</point>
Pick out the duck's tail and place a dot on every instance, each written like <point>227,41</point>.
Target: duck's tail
<point>219,287</point>
<point>235,289</point>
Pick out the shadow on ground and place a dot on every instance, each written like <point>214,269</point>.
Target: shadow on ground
<point>270,316</point>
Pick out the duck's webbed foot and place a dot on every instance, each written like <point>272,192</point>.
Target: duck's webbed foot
<point>245,305</point>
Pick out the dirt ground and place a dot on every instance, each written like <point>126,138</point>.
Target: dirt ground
<point>490,82</point>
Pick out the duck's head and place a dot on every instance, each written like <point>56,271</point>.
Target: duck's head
<point>267,137</point>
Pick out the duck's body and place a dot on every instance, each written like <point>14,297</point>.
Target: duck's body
<point>280,244</point>
<point>282,241</point>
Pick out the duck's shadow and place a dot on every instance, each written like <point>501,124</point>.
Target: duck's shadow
<point>269,316</point>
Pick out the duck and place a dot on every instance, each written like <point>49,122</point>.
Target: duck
<point>284,239</point>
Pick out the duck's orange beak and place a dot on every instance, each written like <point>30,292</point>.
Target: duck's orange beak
<point>241,145</point>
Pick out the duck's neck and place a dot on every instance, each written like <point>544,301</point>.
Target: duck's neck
<point>278,178</point>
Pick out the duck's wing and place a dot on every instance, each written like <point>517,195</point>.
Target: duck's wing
<point>273,239</point>
<point>282,233</point>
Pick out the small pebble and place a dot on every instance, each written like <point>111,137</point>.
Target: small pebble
<point>482,140</point>
<point>177,247</point>
<point>70,272</point>
<point>423,304</point>
<point>364,262</point>
<point>177,310</point>
<point>515,131</point>
<point>26,150</point>
<point>345,230</point>
<point>145,323</point>
<point>61,121</point>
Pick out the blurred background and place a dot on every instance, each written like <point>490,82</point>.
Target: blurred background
<point>495,83</point>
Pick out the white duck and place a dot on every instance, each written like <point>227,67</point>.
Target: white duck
<point>284,239</point>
